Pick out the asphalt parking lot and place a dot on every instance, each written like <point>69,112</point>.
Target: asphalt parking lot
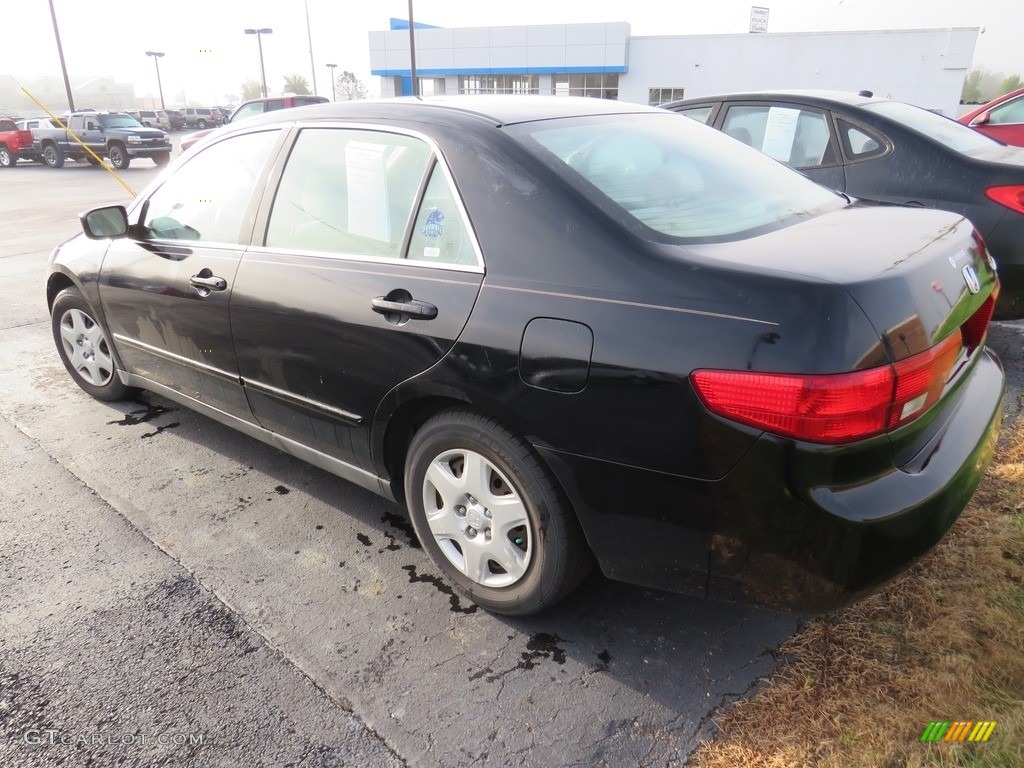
<point>172,592</point>
<point>175,593</point>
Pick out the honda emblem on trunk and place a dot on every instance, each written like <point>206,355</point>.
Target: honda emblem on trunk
<point>971,278</point>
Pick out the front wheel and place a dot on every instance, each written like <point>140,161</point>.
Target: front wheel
<point>491,515</point>
<point>6,158</point>
<point>84,347</point>
<point>53,156</point>
<point>119,157</point>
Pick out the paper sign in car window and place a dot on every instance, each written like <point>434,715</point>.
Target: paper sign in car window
<point>779,133</point>
<point>366,169</point>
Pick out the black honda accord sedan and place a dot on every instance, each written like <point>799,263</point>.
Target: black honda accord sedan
<point>559,331</point>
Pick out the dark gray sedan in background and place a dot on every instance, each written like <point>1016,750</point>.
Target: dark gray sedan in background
<point>887,151</point>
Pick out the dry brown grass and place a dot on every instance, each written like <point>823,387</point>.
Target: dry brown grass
<point>945,642</point>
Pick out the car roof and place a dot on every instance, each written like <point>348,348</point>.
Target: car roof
<point>809,96</point>
<point>499,110</point>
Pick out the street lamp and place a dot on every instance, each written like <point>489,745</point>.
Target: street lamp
<point>334,86</point>
<point>157,55</point>
<point>259,39</point>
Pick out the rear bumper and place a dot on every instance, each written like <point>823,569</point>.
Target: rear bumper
<point>765,535</point>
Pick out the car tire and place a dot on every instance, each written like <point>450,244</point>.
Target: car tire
<point>201,125</point>
<point>6,158</point>
<point>84,347</point>
<point>53,156</point>
<point>505,535</point>
<point>91,160</point>
<point>162,159</point>
<point>119,157</point>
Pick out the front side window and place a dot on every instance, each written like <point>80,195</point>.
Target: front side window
<point>670,179</point>
<point>207,197</point>
<point>275,104</point>
<point>247,110</point>
<point>1010,112</point>
<point>792,135</point>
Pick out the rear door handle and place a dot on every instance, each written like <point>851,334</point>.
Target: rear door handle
<point>414,308</point>
<point>206,282</point>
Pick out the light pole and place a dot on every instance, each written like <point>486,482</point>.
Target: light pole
<point>334,87</point>
<point>259,39</point>
<point>412,53</point>
<point>157,55</point>
<point>60,52</point>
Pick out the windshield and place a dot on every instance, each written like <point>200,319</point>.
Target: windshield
<point>119,121</point>
<point>947,132</point>
<point>673,175</point>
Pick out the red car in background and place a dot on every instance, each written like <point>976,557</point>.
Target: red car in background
<point>14,143</point>
<point>1002,118</point>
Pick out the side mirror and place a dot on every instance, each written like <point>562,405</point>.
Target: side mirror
<point>983,119</point>
<point>108,222</point>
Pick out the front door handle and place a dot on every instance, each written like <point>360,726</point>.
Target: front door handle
<point>206,283</point>
<point>414,308</point>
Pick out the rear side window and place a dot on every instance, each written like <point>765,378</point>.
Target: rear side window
<point>947,132</point>
<point>348,192</point>
<point>795,136</point>
<point>700,114</point>
<point>8,125</point>
<point>858,143</point>
<point>673,177</point>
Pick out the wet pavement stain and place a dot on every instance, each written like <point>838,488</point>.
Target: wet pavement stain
<point>604,659</point>
<point>540,646</point>
<point>148,412</point>
<point>282,489</point>
<point>364,539</point>
<point>402,524</point>
<point>158,430</point>
<point>442,587</point>
<point>392,546</point>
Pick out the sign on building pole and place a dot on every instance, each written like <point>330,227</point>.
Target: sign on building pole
<point>758,19</point>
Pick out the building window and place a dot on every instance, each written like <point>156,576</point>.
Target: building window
<point>515,84</point>
<point>658,96</point>
<point>597,85</point>
<point>431,86</point>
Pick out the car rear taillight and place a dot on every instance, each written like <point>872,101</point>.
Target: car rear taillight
<point>832,408</point>
<point>976,327</point>
<point>1012,197</point>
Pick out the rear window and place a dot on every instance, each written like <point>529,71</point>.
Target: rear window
<point>950,133</point>
<point>674,178</point>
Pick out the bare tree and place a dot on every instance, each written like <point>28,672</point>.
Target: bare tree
<point>350,88</point>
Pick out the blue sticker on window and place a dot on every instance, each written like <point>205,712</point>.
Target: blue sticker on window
<point>432,227</point>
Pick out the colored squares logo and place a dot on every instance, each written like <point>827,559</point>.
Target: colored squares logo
<point>958,730</point>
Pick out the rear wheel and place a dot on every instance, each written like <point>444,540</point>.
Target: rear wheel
<point>491,515</point>
<point>53,156</point>
<point>119,156</point>
<point>6,158</point>
<point>162,158</point>
<point>91,160</point>
<point>201,124</point>
<point>84,347</point>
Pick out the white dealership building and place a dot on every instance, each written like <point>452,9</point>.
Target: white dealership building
<point>921,66</point>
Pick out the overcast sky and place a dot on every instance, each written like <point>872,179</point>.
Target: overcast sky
<point>208,55</point>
